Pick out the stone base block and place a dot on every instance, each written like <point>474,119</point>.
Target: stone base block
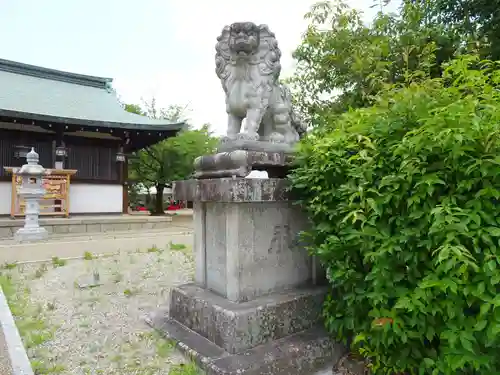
<point>247,241</point>
<point>275,335</point>
<point>239,326</point>
<point>31,234</point>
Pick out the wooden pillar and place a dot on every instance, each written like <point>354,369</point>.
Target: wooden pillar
<point>123,175</point>
<point>125,149</point>
<point>125,185</point>
<point>59,160</point>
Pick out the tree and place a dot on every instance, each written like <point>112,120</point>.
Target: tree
<point>134,108</point>
<point>402,197</point>
<point>171,159</point>
<point>343,62</point>
<point>399,182</point>
<point>476,20</point>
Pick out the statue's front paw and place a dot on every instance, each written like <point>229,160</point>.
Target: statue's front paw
<point>248,136</point>
<point>276,138</point>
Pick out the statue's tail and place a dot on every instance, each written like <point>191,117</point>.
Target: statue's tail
<point>297,123</point>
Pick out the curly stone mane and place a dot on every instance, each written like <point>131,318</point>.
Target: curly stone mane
<point>266,57</point>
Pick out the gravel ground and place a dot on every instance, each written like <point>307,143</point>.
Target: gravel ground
<point>100,330</point>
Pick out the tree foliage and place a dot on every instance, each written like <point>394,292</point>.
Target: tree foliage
<point>171,159</point>
<point>342,62</point>
<point>478,20</point>
<point>400,180</point>
<point>134,108</point>
<point>403,196</point>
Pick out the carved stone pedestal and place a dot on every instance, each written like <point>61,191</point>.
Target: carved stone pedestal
<point>238,157</point>
<point>239,163</point>
<point>255,305</point>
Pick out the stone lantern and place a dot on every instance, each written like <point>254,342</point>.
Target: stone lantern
<point>31,191</point>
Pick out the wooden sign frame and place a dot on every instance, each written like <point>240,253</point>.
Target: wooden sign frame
<point>56,200</point>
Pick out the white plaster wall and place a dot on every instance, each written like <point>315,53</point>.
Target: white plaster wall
<point>84,198</point>
<point>5,197</point>
<point>95,198</point>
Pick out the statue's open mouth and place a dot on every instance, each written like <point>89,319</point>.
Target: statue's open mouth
<point>241,40</point>
<point>242,45</point>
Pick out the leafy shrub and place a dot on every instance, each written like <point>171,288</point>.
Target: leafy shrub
<point>403,198</point>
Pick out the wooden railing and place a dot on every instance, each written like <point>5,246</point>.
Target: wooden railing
<point>56,200</point>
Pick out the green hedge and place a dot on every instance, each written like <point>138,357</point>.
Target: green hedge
<point>404,201</point>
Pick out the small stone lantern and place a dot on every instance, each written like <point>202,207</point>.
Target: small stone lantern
<point>31,191</point>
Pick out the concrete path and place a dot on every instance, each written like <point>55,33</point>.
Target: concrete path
<point>69,246</point>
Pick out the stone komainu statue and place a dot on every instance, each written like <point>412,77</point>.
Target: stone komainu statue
<point>248,65</point>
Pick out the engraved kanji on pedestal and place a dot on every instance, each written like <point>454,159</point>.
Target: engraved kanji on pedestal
<point>31,191</point>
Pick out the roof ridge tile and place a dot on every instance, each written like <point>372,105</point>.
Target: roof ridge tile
<point>55,75</point>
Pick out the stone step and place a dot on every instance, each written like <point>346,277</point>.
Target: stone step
<point>99,235</point>
<point>90,224</point>
<point>100,244</point>
<point>310,352</point>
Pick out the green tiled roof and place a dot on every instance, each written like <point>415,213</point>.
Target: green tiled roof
<point>36,93</point>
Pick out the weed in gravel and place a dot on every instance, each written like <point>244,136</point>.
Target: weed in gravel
<point>129,292</point>
<point>187,251</point>
<point>40,271</point>
<point>146,335</point>
<point>185,369</point>
<point>88,255</point>
<point>9,266</point>
<point>164,348</point>
<point>33,339</point>
<point>176,246</point>
<point>51,306</point>
<point>30,322</point>
<point>154,356</point>
<point>58,262</point>
<point>26,325</point>
<point>42,368</point>
<point>154,249</point>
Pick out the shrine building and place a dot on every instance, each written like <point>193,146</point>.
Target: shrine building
<point>81,133</point>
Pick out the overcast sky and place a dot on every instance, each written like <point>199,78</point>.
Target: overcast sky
<point>161,48</point>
